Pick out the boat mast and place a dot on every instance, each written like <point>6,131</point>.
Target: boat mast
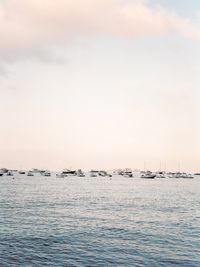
<point>144,166</point>
<point>179,167</point>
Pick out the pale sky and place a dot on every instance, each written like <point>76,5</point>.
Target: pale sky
<point>100,84</point>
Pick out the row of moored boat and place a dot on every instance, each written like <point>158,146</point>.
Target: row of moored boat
<point>98,173</point>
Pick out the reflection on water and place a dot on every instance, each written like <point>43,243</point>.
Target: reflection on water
<point>99,222</point>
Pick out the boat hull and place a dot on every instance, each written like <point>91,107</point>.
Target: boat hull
<point>148,177</point>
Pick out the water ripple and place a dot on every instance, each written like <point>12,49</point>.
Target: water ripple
<point>99,222</point>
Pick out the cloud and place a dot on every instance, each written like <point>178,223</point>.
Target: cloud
<point>33,28</point>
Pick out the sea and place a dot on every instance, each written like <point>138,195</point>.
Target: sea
<point>102,221</point>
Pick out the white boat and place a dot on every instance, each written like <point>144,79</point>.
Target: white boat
<point>3,170</point>
<point>186,176</point>
<point>127,173</point>
<point>10,173</point>
<point>148,175</point>
<point>117,172</point>
<point>104,174</point>
<point>94,173</point>
<point>160,175</point>
<point>47,173</point>
<point>80,173</point>
<point>37,171</point>
<point>67,172</point>
<point>30,173</point>
<point>177,175</point>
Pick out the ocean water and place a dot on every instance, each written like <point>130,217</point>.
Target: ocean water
<point>99,222</point>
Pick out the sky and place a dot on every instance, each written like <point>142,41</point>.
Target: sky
<point>100,84</point>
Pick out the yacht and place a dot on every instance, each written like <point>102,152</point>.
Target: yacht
<point>36,171</point>
<point>30,173</point>
<point>10,173</point>
<point>47,173</point>
<point>3,170</point>
<point>94,173</point>
<point>160,175</point>
<point>104,174</point>
<point>148,175</point>
<point>171,174</point>
<point>117,172</point>
<point>127,173</point>
<point>22,172</point>
<point>186,176</point>
<point>67,172</point>
<point>80,173</point>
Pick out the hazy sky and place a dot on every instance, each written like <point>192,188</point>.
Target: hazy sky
<point>100,84</point>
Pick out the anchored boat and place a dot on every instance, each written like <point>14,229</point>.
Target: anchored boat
<point>148,175</point>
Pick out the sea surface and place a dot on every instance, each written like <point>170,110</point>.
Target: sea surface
<point>99,222</point>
